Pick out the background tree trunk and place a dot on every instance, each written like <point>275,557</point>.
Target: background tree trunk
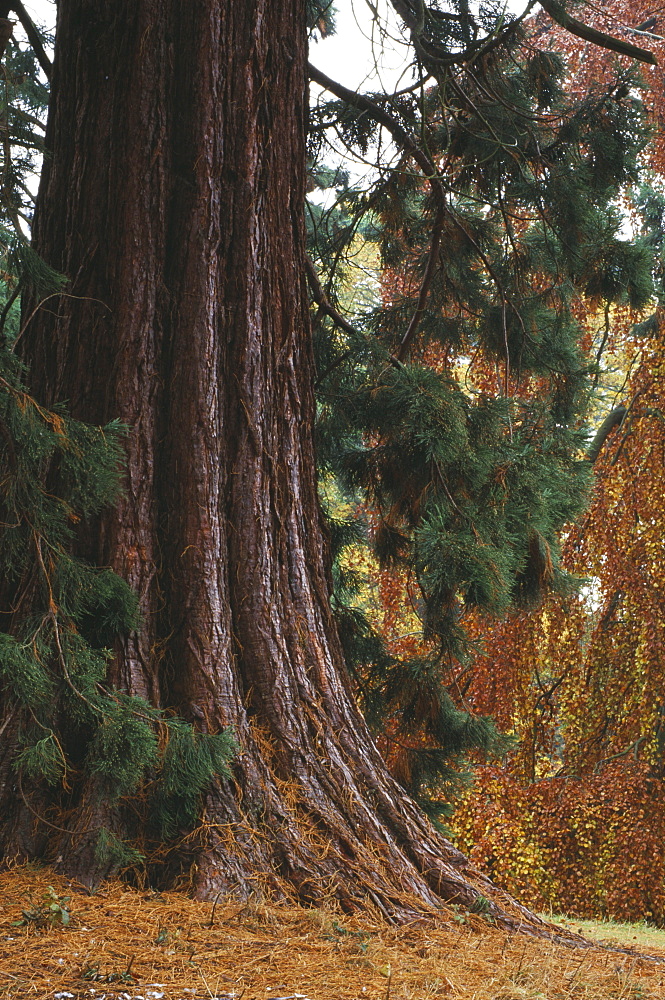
<point>172,197</point>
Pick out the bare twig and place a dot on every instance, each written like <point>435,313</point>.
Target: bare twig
<point>375,899</point>
<point>56,295</point>
<point>214,907</point>
<point>42,819</point>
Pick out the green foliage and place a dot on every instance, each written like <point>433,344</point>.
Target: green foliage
<point>123,747</point>
<point>114,854</point>
<point>321,17</point>
<point>59,616</point>
<point>436,739</point>
<point>189,764</point>
<point>41,759</point>
<point>22,673</point>
<point>466,446</point>
<point>473,509</point>
<point>51,911</point>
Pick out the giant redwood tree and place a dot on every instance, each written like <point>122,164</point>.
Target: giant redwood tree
<point>172,199</point>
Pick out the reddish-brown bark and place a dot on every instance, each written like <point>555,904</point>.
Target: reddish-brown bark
<point>173,199</point>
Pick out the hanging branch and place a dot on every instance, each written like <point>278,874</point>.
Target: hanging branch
<point>558,14</point>
<point>435,56</point>
<point>401,136</point>
<point>612,420</point>
<point>322,300</point>
<point>413,13</point>
<point>33,37</point>
<point>410,146</point>
<point>424,286</point>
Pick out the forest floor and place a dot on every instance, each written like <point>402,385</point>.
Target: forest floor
<point>124,944</point>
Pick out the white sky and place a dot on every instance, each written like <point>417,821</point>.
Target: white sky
<point>350,54</point>
<point>43,12</point>
<point>356,55</point>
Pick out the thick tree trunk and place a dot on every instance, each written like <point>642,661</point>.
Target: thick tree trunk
<point>173,198</point>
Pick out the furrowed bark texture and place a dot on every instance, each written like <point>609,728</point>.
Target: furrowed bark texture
<point>173,199</point>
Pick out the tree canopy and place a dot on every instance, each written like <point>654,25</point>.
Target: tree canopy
<point>471,456</point>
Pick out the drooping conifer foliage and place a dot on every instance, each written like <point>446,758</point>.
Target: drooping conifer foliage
<point>61,618</point>
<point>456,407</point>
<point>23,102</point>
<point>179,221</point>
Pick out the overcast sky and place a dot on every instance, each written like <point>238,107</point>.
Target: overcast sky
<point>41,11</point>
<point>351,54</point>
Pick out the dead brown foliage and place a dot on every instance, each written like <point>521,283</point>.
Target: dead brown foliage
<point>125,943</point>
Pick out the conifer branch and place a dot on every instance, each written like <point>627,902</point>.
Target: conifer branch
<point>33,37</point>
<point>410,146</point>
<point>11,299</point>
<point>9,441</point>
<point>433,55</point>
<point>327,307</point>
<point>323,301</point>
<point>363,103</point>
<point>557,12</point>
<point>424,286</point>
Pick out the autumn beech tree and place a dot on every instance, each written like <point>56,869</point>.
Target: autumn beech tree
<point>581,800</point>
<point>210,721</point>
<point>574,819</point>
